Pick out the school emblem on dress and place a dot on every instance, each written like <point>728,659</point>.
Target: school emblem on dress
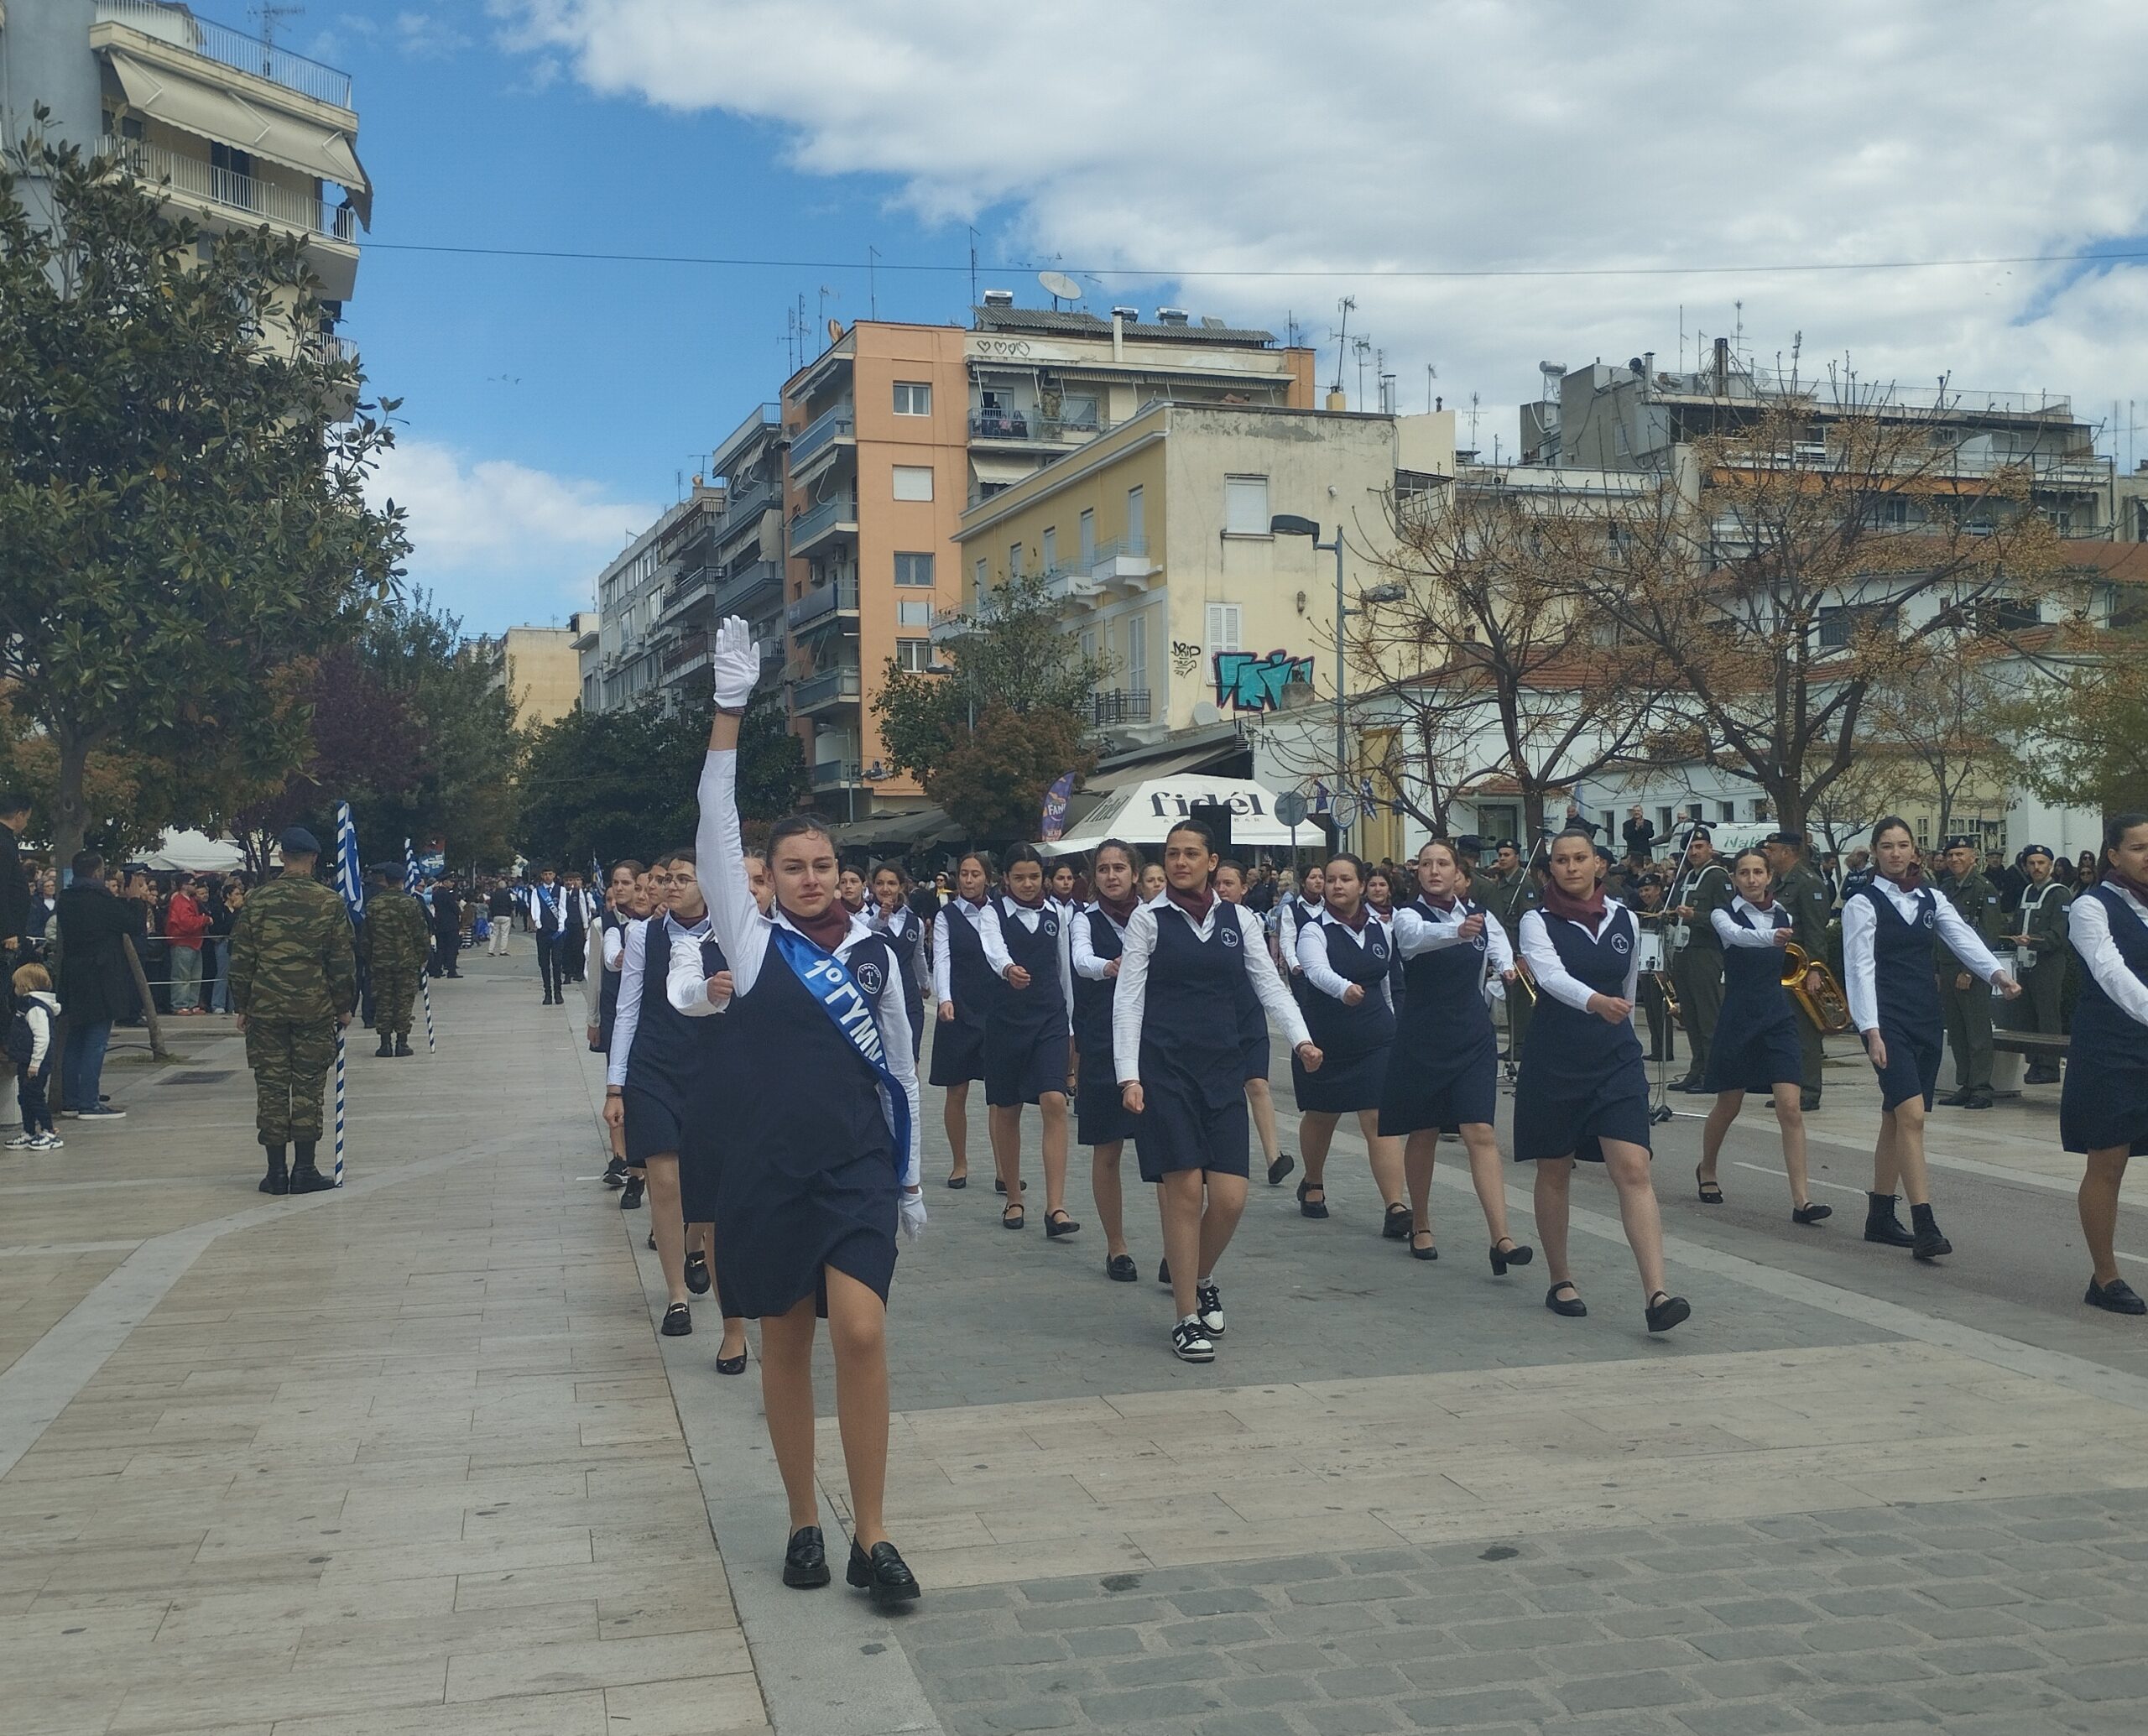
<point>1230,935</point>
<point>1049,926</point>
<point>869,977</point>
<point>1926,919</point>
<point>1621,945</point>
<point>1378,948</point>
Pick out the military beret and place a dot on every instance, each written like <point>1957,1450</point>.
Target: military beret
<point>1470,843</point>
<point>297,841</point>
<point>1701,832</point>
<point>2035,850</point>
<point>385,871</point>
<point>1506,844</point>
<point>1795,840</point>
<point>1962,841</point>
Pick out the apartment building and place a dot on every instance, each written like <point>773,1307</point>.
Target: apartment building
<point>537,668</point>
<point>621,658</point>
<point>245,132</point>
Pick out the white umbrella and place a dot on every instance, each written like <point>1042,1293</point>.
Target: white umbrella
<point>1144,814</point>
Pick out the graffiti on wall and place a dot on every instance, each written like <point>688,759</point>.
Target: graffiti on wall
<point>1185,657</point>
<point>1247,681</point>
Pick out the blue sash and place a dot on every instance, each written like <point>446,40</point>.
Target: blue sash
<point>828,980</point>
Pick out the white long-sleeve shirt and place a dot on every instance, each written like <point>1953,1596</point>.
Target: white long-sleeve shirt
<point>1732,933</point>
<point>627,1018</point>
<point>743,933</point>
<point>1128,1005</point>
<point>994,943</point>
<point>1082,953</point>
<point>1550,970</point>
<point>1312,957</point>
<point>685,983</point>
<point>1415,933</point>
<point>943,953</point>
<point>2088,926</point>
<point>1858,916</point>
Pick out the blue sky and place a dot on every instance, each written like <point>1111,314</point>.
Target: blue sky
<point>1676,154</point>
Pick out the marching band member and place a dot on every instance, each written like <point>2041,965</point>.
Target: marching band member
<point>963,985</point>
<point>1344,954</point>
<point>1887,927</point>
<point>1253,1024</point>
<point>1756,1046</point>
<point>1026,1044</point>
<point>1097,941</point>
<point>1181,1068</point>
<point>823,1151</point>
<point>1442,1071</point>
<point>2103,1109</point>
<point>1583,1090</point>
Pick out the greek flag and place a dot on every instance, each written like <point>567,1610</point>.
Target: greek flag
<point>350,876</point>
<point>412,880</point>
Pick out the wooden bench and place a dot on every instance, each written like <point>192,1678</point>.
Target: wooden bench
<point>2034,1043</point>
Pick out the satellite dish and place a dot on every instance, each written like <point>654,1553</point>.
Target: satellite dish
<point>1059,286</point>
<point>1205,713</point>
<point>835,331</point>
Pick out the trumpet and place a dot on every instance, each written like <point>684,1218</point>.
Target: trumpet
<point>1525,979</point>
<point>1668,991</point>
<point>1821,998</point>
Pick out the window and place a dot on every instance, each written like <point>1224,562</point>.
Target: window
<point>1088,645</point>
<point>1051,549</point>
<point>1137,652</point>
<point>1137,523</point>
<point>915,656</point>
<point>984,574</point>
<point>913,482</point>
<point>1225,621</point>
<point>2006,614</point>
<point>913,398</point>
<point>1663,826</point>
<point>1725,811</point>
<point>1015,561</point>
<point>913,612</point>
<point>1088,538</point>
<point>1760,808</point>
<point>1245,506</point>
<point>1619,441</point>
<point>914,570</point>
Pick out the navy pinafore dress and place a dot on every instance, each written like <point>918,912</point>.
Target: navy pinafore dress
<point>670,1050</point>
<point>1354,1041</point>
<point>1443,1068</point>
<point>1253,1025</point>
<point>1099,1116</point>
<point>958,1044</point>
<point>1754,1047</point>
<point>2104,1103</point>
<point>810,1175</point>
<point>1192,1063</point>
<point>903,942</point>
<point>1582,1081</point>
<point>710,1086</point>
<point>607,988</point>
<point>1026,1041</point>
<point>1907,989</point>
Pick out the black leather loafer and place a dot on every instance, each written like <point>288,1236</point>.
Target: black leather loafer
<point>1121,1270</point>
<point>883,1574</point>
<point>806,1561</point>
<point>697,1273</point>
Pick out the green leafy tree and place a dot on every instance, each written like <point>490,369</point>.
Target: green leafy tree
<point>182,513</point>
<point>1008,718</point>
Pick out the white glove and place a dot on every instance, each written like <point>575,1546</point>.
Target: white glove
<point>735,663</point>
<point>912,1215</point>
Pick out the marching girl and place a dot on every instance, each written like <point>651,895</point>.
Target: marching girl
<point>1582,1092</point>
<point>851,889</point>
<point>1152,881</point>
<point>1181,1068</point>
<point>1344,954</point>
<point>1097,939</point>
<point>1386,896</point>
<point>892,916</point>
<point>1301,907</point>
<point>608,945</point>
<point>2102,1107</point>
<point>1065,884</point>
<point>1026,1059</point>
<point>967,991</point>
<point>821,1152</point>
<point>1442,1072</point>
<point>1888,926</point>
<point>1755,1044</point>
<point>1253,1027</point>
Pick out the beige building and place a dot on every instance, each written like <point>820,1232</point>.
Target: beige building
<point>540,668</point>
<point>1156,539</point>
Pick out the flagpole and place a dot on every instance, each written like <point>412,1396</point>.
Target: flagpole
<point>424,987</point>
<point>352,885</point>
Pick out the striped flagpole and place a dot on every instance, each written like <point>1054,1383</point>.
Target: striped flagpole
<point>351,883</point>
<point>411,881</point>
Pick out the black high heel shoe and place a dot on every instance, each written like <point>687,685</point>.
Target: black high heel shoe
<point>1430,1251</point>
<point>1571,1307</point>
<point>1519,1254</point>
<point>883,1574</point>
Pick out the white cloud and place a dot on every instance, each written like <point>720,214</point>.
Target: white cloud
<point>1260,137</point>
<point>499,542</point>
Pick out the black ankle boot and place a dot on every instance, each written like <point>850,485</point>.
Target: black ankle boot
<point>387,1044</point>
<point>1927,1241</point>
<point>305,1177</point>
<point>1882,1226</point>
<point>277,1180</point>
<point>403,1045</point>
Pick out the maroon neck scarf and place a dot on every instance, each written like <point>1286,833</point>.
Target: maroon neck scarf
<point>1196,905</point>
<point>2111,876</point>
<point>1027,904</point>
<point>826,930</point>
<point>1562,904</point>
<point>1445,906</point>
<point>1120,910</point>
<point>1764,904</point>
<point>1355,924</point>
<point>1912,879</point>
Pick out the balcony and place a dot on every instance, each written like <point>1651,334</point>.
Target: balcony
<point>838,774</point>
<point>178,26</point>
<point>685,589</point>
<point>999,425</point>
<point>733,593</point>
<point>1119,705</point>
<point>1072,585</point>
<point>1123,561</point>
<point>837,687</point>
<point>193,177</point>
<point>684,654</point>
<point>831,517</point>
<point>826,604</point>
<point>1026,428</point>
<point>745,507</point>
<point>840,423</point>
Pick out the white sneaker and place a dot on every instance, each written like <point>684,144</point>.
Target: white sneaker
<point>1208,1304</point>
<point>1190,1342</point>
<point>22,1142</point>
<point>48,1142</point>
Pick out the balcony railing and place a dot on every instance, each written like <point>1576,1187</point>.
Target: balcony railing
<point>836,774</point>
<point>809,525</point>
<point>837,683</point>
<point>179,26</point>
<point>999,425</point>
<point>747,582</point>
<point>1071,585</point>
<point>1120,705</point>
<point>687,649</point>
<point>746,506</point>
<point>196,178</point>
<point>828,600</point>
<point>830,424</point>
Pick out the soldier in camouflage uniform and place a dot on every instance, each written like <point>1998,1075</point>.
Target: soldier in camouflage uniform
<point>393,942</point>
<point>1968,1002</point>
<point>293,982</point>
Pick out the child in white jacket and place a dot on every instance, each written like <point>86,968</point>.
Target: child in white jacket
<point>30,1046</point>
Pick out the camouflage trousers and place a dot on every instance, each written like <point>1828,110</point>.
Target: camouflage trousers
<point>290,1059</point>
<point>394,992</point>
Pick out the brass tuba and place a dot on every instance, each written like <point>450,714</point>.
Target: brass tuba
<point>1825,1004</point>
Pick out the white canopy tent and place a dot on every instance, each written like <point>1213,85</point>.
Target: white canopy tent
<point>194,851</point>
<point>1144,813</point>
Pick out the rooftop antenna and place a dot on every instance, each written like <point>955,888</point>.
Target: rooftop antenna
<point>1289,330</point>
<point>1474,412</point>
<point>272,14</point>
<point>1431,374</point>
<point>1361,348</point>
<point>1737,329</point>
<point>1347,304</point>
<point>872,284</point>
<point>972,265</point>
<point>1682,337</point>
<point>826,292</point>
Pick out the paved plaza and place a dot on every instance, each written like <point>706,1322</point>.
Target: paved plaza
<point>411,1457</point>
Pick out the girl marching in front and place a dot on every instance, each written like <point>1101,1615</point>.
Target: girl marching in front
<point>1888,926</point>
<point>1026,1044</point>
<point>821,1157</point>
<point>1583,1091</point>
<point>966,990</point>
<point>1181,1065</point>
<point>1443,1070</point>
<point>2102,1107</point>
<point>1252,1026</point>
<point>892,916</point>
<point>1754,1046</point>
<point>1344,954</point>
<point>1102,1122</point>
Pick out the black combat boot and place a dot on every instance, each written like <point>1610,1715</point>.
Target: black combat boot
<point>403,1045</point>
<point>304,1178</point>
<point>276,1181</point>
<point>1882,1226</point>
<point>387,1044</point>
